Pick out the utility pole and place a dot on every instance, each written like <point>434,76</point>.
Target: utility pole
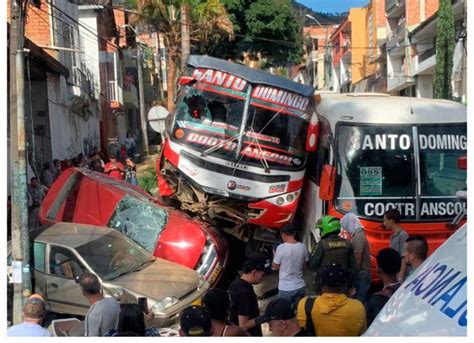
<point>141,95</point>
<point>185,35</point>
<point>160,71</point>
<point>20,234</point>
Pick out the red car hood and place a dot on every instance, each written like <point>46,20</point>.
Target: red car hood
<point>182,241</point>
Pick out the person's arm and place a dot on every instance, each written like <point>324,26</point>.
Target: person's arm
<point>358,246</point>
<point>236,331</point>
<point>277,259</point>
<point>247,324</point>
<point>403,269</point>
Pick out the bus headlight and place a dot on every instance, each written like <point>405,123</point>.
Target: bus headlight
<point>280,201</point>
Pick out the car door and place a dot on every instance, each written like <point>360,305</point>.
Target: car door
<point>61,287</point>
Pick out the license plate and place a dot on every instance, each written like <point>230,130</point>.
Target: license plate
<point>215,273</point>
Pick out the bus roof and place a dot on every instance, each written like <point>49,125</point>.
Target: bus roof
<point>386,109</point>
<point>249,74</point>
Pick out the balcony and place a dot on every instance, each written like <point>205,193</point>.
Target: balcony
<point>394,8</point>
<point>83,79</point>
<point>425,62</point>
<point>396,38</point>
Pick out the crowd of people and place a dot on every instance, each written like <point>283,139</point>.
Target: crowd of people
<point>341,305</point>
<point>119,166</point>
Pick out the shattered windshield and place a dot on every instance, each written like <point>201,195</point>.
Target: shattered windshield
<point>207,119</point>
<point>112,255</point>
<point>141,221</point>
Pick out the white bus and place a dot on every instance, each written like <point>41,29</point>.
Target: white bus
<point>377,152</point>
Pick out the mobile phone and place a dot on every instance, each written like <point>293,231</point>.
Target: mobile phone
<point>143,303</point>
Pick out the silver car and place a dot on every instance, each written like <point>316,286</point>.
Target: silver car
<point>127,271</point>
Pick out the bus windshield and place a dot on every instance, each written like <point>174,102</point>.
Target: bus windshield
<point>208,119</point>
<point>380,167</point>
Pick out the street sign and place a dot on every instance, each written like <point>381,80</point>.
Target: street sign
<point>156,117</point>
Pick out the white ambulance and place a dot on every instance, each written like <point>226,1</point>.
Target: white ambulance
<point>433,300</point>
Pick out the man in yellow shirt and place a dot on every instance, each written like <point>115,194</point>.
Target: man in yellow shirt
<point>333,313</point>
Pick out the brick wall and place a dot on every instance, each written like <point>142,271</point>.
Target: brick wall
<point>381,20</point>
<point>37,23</point>
<point>412,11</point>
<point>431,6</point>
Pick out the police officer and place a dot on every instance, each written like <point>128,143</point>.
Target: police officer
<point>333,249</point>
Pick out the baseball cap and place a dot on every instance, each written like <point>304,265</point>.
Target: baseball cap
<point>279,309</point>
<point>34,307</point>
<point>195,321</point>
<point>333,275</point>
<point>259,262</point>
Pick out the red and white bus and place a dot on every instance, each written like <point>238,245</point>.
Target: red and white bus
<point>236,150</point>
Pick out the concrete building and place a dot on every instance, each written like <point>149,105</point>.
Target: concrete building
<point>61,107</point>
<point>403,16</point>
<point>316,71</point>
<point>423,41</point>
<point>349,43</point>
<point>375,79</point>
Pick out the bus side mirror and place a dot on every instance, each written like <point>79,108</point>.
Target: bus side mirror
<point>462,162</point>
<point>312,135</point>
<point>327,183</point>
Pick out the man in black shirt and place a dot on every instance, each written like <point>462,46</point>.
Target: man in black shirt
<point>244,310</point>
<point>281,319</point>
<point>389,262</point>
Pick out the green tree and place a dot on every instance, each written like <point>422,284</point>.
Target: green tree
<point>268,28</point>
<point>445,43</point>
<point>203,16</point>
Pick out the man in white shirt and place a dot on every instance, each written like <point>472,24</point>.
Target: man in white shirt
<point>290,258</point>
<point>33,315</point>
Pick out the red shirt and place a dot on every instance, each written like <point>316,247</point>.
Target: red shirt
<point>115,172</point>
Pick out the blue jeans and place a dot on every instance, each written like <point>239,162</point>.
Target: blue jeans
<point>362,287</point>
<point>293,296</point>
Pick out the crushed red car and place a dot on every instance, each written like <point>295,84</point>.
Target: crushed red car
<point>87,197</point>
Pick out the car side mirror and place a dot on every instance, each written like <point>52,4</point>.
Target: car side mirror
<point>327,183</point>
<point>312,135</point>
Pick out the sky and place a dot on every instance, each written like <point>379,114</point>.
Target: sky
<point>331,6</point>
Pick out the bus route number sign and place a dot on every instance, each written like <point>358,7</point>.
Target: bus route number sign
<point>370,181</point>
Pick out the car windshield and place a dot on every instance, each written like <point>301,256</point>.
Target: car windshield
<point>208,119</point>
<point>140,220</point>
<point>113,255</point>
<point>378,169</point>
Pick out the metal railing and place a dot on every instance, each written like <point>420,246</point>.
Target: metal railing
<point>112,91</point>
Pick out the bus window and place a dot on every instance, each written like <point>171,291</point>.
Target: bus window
<point>375,168</point>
